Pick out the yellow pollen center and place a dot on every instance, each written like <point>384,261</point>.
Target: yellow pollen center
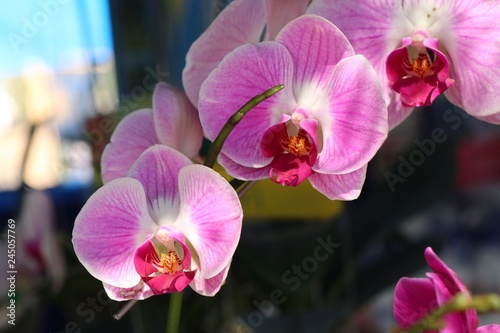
<point>421,65</point>
<point>298,144</point>
<point>170,261</point>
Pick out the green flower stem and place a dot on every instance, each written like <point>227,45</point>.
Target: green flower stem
<point>174,312</point>
<point>460,303</point>
<point>216,146</point>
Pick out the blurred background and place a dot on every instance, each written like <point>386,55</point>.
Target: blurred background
<point>71,69</point>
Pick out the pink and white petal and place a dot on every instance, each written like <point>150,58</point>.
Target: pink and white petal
<point>133,135</point>
<point>316,46</point>
<point>339,187</point>
<point>471,43</point>
<point>494,119</point>
<point>140,291</point>
<point>396,111</point>
<point>157,169</point>
<point>493,328</point>
<point>245,73</point>
<point>241,172</point>
<point>355,124</point>
<point>280,12</point>
<point>374,27</point>
<point>210,217</point>
<point>414,298</point>
<point>176,120</point>
<point>211,286</point>
<point>241,22</point>
<point>109,228</point>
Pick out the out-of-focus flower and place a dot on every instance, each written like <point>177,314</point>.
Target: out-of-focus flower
<point>173,122</point>
<point>39,251</point>
<point>168,224</point>
<point>415,298</point>
<point>422,48</point>
<point>325,125</point>
<point>241,22</point>
<point>38,256</point>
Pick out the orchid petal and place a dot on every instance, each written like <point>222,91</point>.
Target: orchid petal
<point>357,123</point>
<point>280,12</point>
<point>241,22</point>
<point>289,169</point>
<point>265,65</point>
<point>272,141</point>
<point>447,284</point>
<point>210,217</point>
<point>493,328</point>
<point>471,42</point>
<point>316,46</point>
<point>374,28</point>
<point>174,117</point>
<point>396,111</point>
<point>140,291</point>
<point>111,225</point>
<point>209,287</point>
<point>133,135</point>
<point>340,187</point>
<point>494,119</point>
<point>455,322</point>
<point>381,22</point>
<point>439,267</point>
<point>241,172</point>
<point>176,282</point>
<point>414,298</point>
<point>157,169</point>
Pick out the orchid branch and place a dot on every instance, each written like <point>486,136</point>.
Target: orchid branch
<point>216,146</point>
<point>174,312</point>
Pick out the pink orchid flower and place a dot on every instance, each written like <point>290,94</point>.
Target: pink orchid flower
<point>169,224</point>
<point>414,298</point>
<point>241,22</point>
<point>423,48</point>
<point>325,125</point>
<point>39,252</point>
<point>167,123</point>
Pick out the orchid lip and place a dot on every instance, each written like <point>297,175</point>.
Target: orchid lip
<point>163,262</point>
<point>293,150</point>
<point>418,71</point>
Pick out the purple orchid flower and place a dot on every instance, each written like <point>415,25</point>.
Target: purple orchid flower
<point>169,224</point>
<point>241,22</point>
<point>325,125</point>
<point>167,123</point>
<point>415,298</point>
<point>423,48</point>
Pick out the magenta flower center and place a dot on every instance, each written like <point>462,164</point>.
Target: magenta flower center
<point>163,263</point>
<point>168,262</point>
<point>299,144</point>
<point>294,154</point>
<point>422,65</point>
<point>418,71</point>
